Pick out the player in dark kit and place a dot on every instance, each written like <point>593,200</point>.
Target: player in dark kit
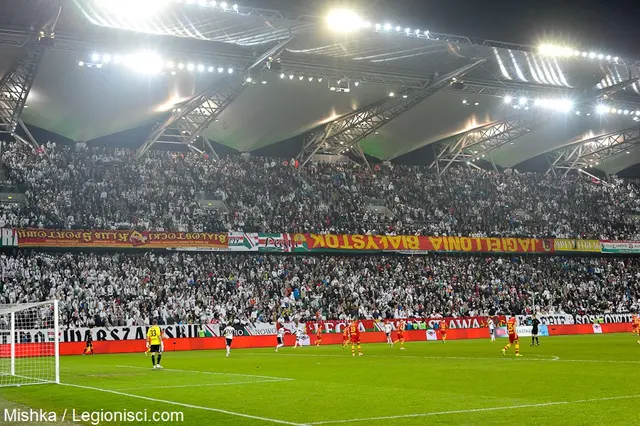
<point>89,345</point>
<point>535,322</point>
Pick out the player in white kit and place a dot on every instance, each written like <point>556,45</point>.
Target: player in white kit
<point>388,328</point>
<point>280,337</point>
<point>228,332</point>
<point>492,329</point>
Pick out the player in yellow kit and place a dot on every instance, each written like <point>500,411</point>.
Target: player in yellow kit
<point>154,344</point>
<point>513,337</point>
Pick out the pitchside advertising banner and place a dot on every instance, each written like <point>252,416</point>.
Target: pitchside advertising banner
<point>178,331</point>
<point>620,246</point>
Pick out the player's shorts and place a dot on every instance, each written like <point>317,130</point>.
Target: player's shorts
<point>154,349</point>
<point>355,339</point>
<point>388,334</point>
<point>89,345</point>
<point>513,338</point>
<point>492,331</point>
<point>400,336</point>
<point>229,341</point>
<point>534,332</point>
<point>280,341</point>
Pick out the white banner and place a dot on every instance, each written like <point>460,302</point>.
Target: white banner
<point>608,318</point>
<point>597,329</point>
<point>431,335</point>
<point>557,319</point>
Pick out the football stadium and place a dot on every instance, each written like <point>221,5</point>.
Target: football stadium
<point>234,214</point>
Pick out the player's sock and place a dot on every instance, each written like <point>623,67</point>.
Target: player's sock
<point>153,360</point>
<point>353,350</point>
<point>402,343</point>
<point>537,340</point>
<point>517,348</point>
<point>159,357</point>
<point>506,347</point>
<point>359,348</point>
<point>532,340</point>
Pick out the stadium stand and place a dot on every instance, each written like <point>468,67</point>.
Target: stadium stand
<point>111,189</point>
<point>98,289</point>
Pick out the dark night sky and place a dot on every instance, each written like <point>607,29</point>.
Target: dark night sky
<point>612,27</point>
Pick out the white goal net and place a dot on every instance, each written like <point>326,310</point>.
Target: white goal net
<point>29,344</point>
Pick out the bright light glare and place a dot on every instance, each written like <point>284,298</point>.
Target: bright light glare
<point>128,8</point>
<point>191,67</point>
<point>562,105</point>
<point>106,58</point>
<point>508,99</point>
<point>387,27</point>
<point>602,109</point>
<point>555,50</point>
<point>200,67</point>
<point>145,62</point>
<point>344,20</point>
<point>522,101</point>
<point>95,57</point>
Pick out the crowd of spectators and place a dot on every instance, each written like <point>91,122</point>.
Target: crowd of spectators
<point>110,189</point>
<point>98,289</point>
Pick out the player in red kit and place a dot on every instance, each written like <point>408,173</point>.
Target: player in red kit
<point>400,334</point>
<point>319,334</point>
<point>354,332</point>
<point>443,330</point>
<point>513,337</point>
<point>345,337</point>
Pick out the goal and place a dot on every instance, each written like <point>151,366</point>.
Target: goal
<point>29,344</point>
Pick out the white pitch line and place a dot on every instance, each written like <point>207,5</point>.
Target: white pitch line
<point>213,373</point>
<point>182,404</point>
<point>204,385</point>
<point>474,410</point>
<point>525,358</point>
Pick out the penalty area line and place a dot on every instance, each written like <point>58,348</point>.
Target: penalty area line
<point>185,405</point>
<point>205,385</point>
<point>213,373</point>
<point>475,410</point>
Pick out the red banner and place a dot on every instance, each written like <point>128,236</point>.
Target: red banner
<point>120,239</point>
<point>336,326</point>
<point>421,243</point>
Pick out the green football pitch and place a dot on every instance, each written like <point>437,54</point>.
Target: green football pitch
<point>576,380</point>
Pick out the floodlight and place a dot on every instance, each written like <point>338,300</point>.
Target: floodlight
<point>344,20</point>
<point>95,57</point>
<point>476,103</point>
<point>332,88</point>
<point>248,80</point>
<point>290,76</point>
<point>398,28</point>
<point>230,70</point>
<point>181,66</point>
<point>426,33</point>
<point>145,62</point>
<point>170,65</point>
<point>576,53</point>
<point>592,55</point>
<point>378,27</point>
<point>300,77</point>
<point>407,30</point>
<point>117,59</point>
<point>106,58</point>
<point>200,67</point>
<point>347,90</point>
<point>464,101</point>
<point>264,81</point>
<point>584,54</point>
<point>508,99</point>
<point>81,63</point>
<point>608,57</point>
<point>404,96</point>
<point>367,24</point>
<point>418,33</point>
<point>387,27</point>
<point>522,101</point>
<point>282,75</point>
<point>173,73</point>
<point>619,111</point>
<point>224,5</point>
<point>191,67</point>
<point>220,70</point>
<point>616,59</point>
<point>235,7</point>
<point>210,69</point>
<point>600,56</point>
<point>310,78</point>
<point>213,3</point>
<point>391,94</point>
<point>320,80</point>
<point>627,152</point>
<point>98,65</point>
<point>555,50</point>
<point>637,112</point>
<point>626,112</point>
<point>613,110</point>
<point>203,3</point>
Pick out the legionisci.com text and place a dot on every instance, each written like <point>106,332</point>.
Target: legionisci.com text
<point>93,417</point>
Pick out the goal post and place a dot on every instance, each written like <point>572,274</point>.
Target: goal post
<point>29,344</point>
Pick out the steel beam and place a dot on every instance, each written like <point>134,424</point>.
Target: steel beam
<point>187,121</point>
<point>478,143</point>
<point>345,133</point>
<point>592,152</point>
<point>16,84</point>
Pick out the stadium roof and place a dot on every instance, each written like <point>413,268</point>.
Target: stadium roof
<point>86,102</point>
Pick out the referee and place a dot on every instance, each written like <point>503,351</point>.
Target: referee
<point>534,330</point>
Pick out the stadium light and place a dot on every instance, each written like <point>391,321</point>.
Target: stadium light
<point>301,77</point>
<point>220,70</point>
<point>235,7</point>
<point>80,63</point>
<point>181,66</point>
<point>290,76</point>
<point>282,75</point>
<point>200,67</point>
<point>378,27</point>
<point>398,28</point>
<point>210,69</point>
<point>191,67</point>
<point>106,58</point>
<point>170,65</point>
<point>224,5</point>
<point>344,20</point>
<point>230,70</point>
<point>508,99</point>
<point>522,101</point>
<point>95,57</point>
<point>391,94</point>
<point>555,50</point>
<point>249,80</point>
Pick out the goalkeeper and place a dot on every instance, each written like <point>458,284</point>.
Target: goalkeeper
<point>155,345</point>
